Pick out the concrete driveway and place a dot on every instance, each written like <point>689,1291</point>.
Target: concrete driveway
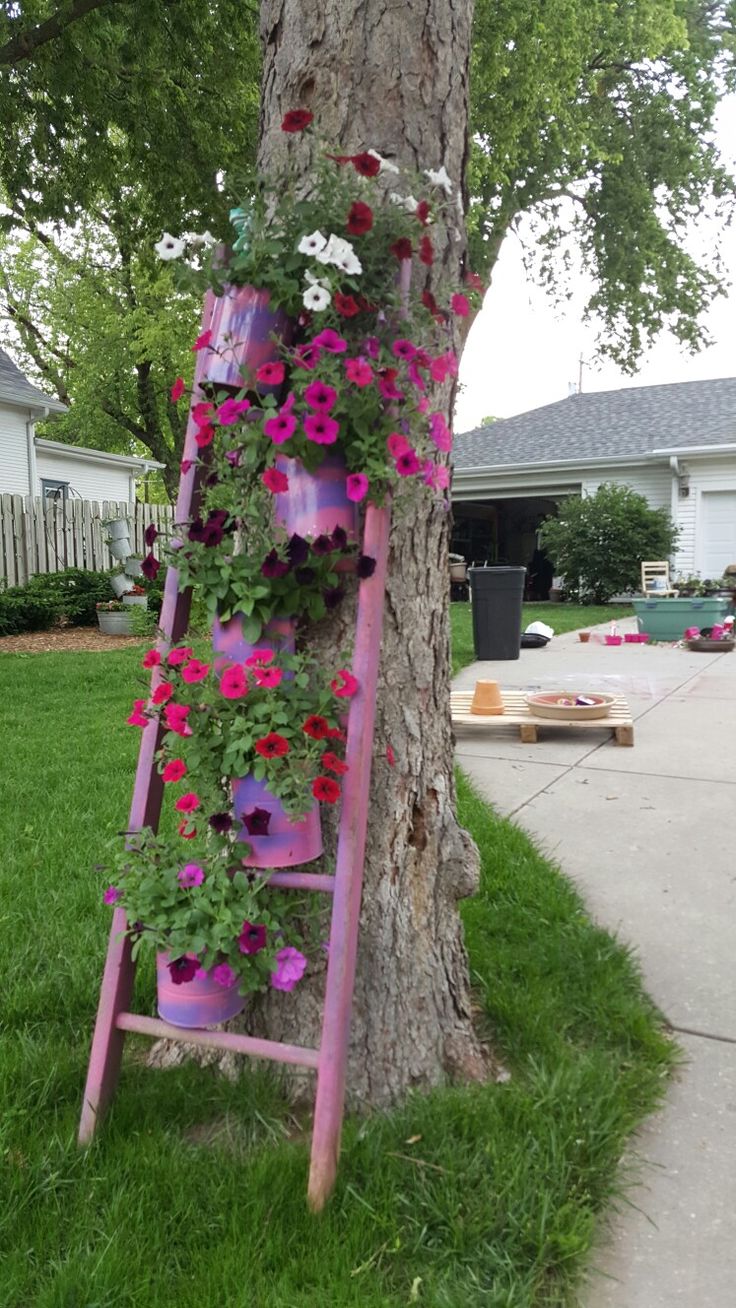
<point>649,836</point>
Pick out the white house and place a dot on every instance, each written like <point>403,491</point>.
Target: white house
<point>30,465</point>
<point>675,444</point>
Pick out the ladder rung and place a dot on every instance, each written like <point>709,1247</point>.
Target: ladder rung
<point>239,1044</point>
<point>302,881</point>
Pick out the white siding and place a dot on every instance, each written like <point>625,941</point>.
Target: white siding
<point>654,482</point>
<point>88,478</point>
<point>14,477</point>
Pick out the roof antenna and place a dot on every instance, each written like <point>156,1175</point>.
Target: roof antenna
<point>581,364</point>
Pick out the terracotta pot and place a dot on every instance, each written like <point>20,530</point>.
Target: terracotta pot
<point>487,700</point>
<point>287,843</point>
<point>316,502</point>
<point>584,636</point>
<point>196,1003</point>
<point>243,328</point>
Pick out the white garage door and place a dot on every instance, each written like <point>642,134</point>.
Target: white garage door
<point>718,519</point>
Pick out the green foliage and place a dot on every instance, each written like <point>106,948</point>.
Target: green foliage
<point>50,596</point>
<point>596,120</point>
<point>598,541</point>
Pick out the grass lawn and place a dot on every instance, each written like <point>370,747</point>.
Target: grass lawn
<point>194,1191</point>
<point>562,617</point>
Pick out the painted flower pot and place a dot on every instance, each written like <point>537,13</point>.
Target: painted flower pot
<point>243,327</point>
<point>121,584</point>
<point>133,567</point>
<point>614,640</point>
<point>316,502</point>
<point>114,623</point>
<point>120,549</point>
<point>196,1003</point>
<point>287,843</point>
<point>228,639</point>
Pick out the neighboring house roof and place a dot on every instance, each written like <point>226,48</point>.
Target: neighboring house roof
<point>16,389</point>
<point>131,461</point>
<point>640,420</point>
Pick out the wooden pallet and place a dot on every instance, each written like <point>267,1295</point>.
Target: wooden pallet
<point>516,713</point>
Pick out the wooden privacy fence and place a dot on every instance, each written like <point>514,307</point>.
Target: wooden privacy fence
<point>48,536</point>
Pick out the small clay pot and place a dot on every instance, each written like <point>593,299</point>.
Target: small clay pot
<point>487,700</point>
<point>584,636</point>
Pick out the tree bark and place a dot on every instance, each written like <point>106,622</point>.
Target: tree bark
<point>395,79</point>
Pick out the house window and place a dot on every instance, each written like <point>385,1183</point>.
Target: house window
<point>54,490</point>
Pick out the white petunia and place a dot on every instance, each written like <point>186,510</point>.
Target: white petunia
<point>316,298</point>
<point>386,165</point>
<point>312,244</point>
<point>169,247</point>
<point>340,253</point>
<point>314,281</point>
<point>439,178</point>
<point>205,239</point>
<point>407,202</point>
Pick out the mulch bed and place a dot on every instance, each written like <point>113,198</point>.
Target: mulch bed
<point>65,640</point>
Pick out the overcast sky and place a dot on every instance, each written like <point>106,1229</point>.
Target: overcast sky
<point>523,352</point>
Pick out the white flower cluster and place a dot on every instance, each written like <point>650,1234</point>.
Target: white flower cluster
<point>173,247</point>
<point>333,250</point>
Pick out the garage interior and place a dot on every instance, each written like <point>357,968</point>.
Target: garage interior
<point>505,531</point>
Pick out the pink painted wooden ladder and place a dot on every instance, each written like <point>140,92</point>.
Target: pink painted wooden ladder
<point>330,1059</point>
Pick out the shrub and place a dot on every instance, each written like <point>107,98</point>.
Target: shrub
<point>21,611</point>
<point>51,596</point>
<point>598,542</point>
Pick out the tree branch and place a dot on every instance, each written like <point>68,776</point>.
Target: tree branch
<point>25,44</point>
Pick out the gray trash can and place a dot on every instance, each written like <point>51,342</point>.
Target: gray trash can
<point>497,595</point>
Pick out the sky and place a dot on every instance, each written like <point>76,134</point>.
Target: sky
<point>523,351</point>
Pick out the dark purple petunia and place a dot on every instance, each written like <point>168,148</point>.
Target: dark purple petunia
<point>297,550</point>
<point>150,567</point>
<point>365,567</point>
<point>183,969</point>
<point>339,538</point>
<point>233,457</point>
<point>305,576</point>
<point>212,479</point>
<point>221,823</point>
<point>252,938</point>
<point>212,534</point>
<point>333,596</point>
<point>273,566</point>
<point>256,823</point>
<point>196,531</point>
<point>150,534</point>
<point>322,545</point>
<point>218,516</point>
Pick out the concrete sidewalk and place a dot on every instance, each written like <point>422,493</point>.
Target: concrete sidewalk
<point>649,836</point>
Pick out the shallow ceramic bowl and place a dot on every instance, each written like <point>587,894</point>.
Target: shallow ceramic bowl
<point>705,646</point>
<point>551,704</point>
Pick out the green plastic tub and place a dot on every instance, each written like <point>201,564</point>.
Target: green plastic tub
<point>668,619</point>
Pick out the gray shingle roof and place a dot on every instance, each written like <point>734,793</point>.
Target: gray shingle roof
<point>17,390</point>
<point>603,424</point>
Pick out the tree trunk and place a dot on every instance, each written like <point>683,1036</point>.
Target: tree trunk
<point>395,80</point>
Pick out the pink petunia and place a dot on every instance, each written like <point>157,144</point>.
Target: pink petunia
<point>151,658</point>
<point>356,486</point>
<point>175,718</point>
<point>307,356</point>
<point>396,444</point>
<point>403,349</point>
<point>233,682</point>
<point>460,305</point>
<point>321,429</point>
<point>358,371</point>
<point>439,432</point>
<point>202,412</point>
<point>194,671</point>
<point>185,831</point>
<point>280,427</point>
<point>177,390</point>
<point>137,717</point>
<point>162,693</point>
<point>407,464</point>
<point>423,404</point>
<point>321,397</point>
<point>179,654</point>
<point>267,678</point>
<point>290,968</point>
<point>112,895</point>
<point>390,756</point>
<point>191,875</point>
<point>344,685</point>
<point>185,466</point>
<point>372,347</point>
<point>230,410</point>
<point>271,374</point>
<point>415,376</point>
<point>188,803</point>
<point>174,770</point>
<point>330,341</point>
<point>275,481</point>
<point>387,386</point>
<point>224,976</point>
<point>202,341</point>
<point>259,658</point>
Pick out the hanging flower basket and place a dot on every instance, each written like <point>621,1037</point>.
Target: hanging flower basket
<point>196,998</point>
<point>243,328</point>
<point>275,839</point>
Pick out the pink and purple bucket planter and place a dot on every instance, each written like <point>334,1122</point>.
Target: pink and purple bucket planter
<point>243,327</point>
<point>196,1003</point>
<point>287,843</point>
<point>229,642</point>
<point>316,502</point>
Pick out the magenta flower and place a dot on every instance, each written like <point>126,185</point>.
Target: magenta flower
<point>407,464</point>
<point>188,803</point>
<point>259,658</point>
<point>183,969</point>
<point>372,347</point>
<point>177,390</point>
<point>268,678</point>
<point>174,770</point>
<point>307,356</point>
<point>388,388</point>
<point>415,376</point>
<point>439,432</point>
<point>356,486</point>
<point>358,371</point>
<point>344,685</point>
<point>230,410</point>
<point>321,429</point>
<point>280,427</point>
<point>180,654</point>
<point>396,444</point>
<point>202,341</point>
<point>271,374</point>
<point>290,968</point>
<point>252,938</point>
<point>112,895</point>
<point>186,465</point>
<point>460,305</point>
<point>403,349</point>
<point>151,658</point>
<point>175,717</point>
<point>274,481</point>
<point>320,396</point>
<point>137,717</point>
<point>330,341</point>
<point>191,875</point>
<point>223,974</point>
<point>233,682</point>
<point>194,671</point>
<point>441,479</point>
<point>423,404</point>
